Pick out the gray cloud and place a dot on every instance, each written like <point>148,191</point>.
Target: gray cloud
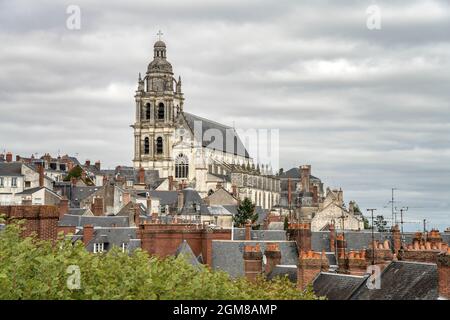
<point>368,109</point>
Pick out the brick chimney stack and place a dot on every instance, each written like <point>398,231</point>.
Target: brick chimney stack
<point>137,219</point>
<point>40,169</point>
<point>97,206</point>
<point>141,175</point>
<point>332,238</point>
<point>248,231</point>
<point>170,183</point>
<point>310,264</point>
<point>443,262</point>
<point>88,233</point>
<point>305,173</point>
<point>63,207</point>
<point>98,165</point>
<point>126,198</point>
<point>252,261</point>
<point>273,256</point>
<point>301,232</point>
<point>9,157</point>
<point>357,263</point>
<point>396,238</point>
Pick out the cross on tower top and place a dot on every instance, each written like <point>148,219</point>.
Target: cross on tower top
<point>159,34</point>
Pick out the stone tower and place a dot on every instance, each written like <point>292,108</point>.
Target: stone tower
<point>159,100</point>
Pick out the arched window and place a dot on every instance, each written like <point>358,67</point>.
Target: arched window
<point>161,111</point>
<point>159,145</point>
<point>147,111</point>
<point>181,166</point>
<point>146,146</point>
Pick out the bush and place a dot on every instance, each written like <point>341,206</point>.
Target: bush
<point>37,269</point>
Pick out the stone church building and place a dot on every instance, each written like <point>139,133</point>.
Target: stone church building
<point>189,149</point>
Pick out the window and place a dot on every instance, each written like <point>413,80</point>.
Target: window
<point>2,181</point>
<point>161,111</point>
<point>99,247</point>
<point>146,146</point>
<point>159,145</point>
<point>14,182</point>
<point>181,166</point>
<point>28,184</point>
<point>124,247</point>
<point>147,111</point>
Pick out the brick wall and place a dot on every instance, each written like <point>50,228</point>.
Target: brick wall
<point>43,220</point>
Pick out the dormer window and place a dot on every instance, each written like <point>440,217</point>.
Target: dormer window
<point>99,247</point>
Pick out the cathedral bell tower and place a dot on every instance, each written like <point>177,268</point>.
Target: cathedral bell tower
<point>159,100</point>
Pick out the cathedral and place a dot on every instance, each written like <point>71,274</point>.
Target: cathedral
<point>189,150</point>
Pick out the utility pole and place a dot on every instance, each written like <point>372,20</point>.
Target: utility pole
<point>394,218</point>
<point>425,229</point>
<point>401,217</point>
<point>373,238</point>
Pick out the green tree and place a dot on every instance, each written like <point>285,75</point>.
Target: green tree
<point>246,211</point>
<point>380,224</point>
<point>35,269</point>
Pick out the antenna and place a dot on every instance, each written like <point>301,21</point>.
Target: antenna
<point>373,238</point>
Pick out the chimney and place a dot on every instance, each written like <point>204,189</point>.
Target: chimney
<point>98,165</point>
<point>443,262</point>
<point>9,157</point>
<point>126,198</point>
<point>315,192</point>
<point>305,173</point>
<point>87,163</point>
<point>310,264</point>
<point>234,191</point>
<point>63,207</point>
<point>40,168</point>
<point>341,244</point>
<point>434,237</point>
<point>137,219</point>
<point>396,239</point>
<point>273,256</point>
<point>248,231</point>
<point>301,232</point>
<point>252,261</point>
<point>180,200</point>
<point>97,206</point>
<point>141,175</point>
<point>332,238</point>
<point>170,183</point>
<point>149,205</point>
<point>88,233</point>
<point>357,263</point>
<point>289,193</point>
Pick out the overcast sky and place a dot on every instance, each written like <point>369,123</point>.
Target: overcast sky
<point>368,109</point>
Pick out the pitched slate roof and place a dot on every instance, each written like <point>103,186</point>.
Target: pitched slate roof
<point>336,286</point>
<point>165,197</point>
<point>81,193</point>
<point>264,235</point>
<point>223,129</point>
<point>294,173</point>
<point>100,221</point>
<point>114,236</point>
<point>185,250</point>
<point>193,203</point>
<point>403,280</point>
<point>227,255</point>
<point>11,169</point>
<point>284,270</point>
